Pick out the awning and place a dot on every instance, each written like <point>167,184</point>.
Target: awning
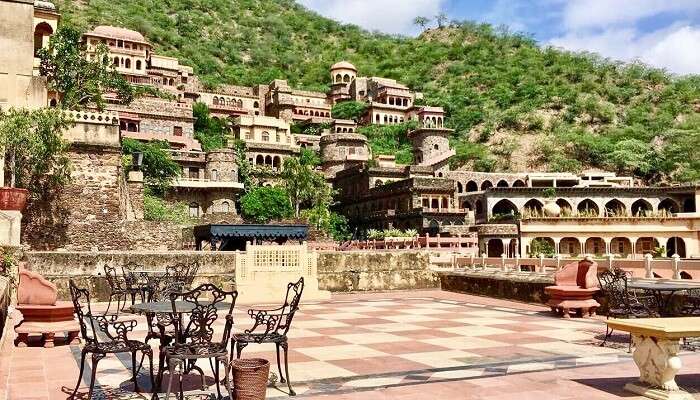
<point>271,232</point>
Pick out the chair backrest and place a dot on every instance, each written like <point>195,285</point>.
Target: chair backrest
<point>81,302</point>
<point>34,289</point>
<point>291,305</point>
<point>183,272</point>
<point>130,278</point>
<point>113,280</point>
<point>197,326</point>
<point>582,274</point>
<point>613,283</point>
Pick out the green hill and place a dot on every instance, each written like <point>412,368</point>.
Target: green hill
<point>514,105</point>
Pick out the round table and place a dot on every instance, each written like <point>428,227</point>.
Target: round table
<point>663,292</point>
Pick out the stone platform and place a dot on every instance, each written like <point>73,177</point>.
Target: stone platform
<point>521,286</point>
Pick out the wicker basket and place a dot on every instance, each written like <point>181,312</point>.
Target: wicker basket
<point>250,378</point>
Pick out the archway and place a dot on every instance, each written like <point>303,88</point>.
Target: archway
<point>268,160</point>
<point>259,160</point>
<point>478,207</point>
<point>685,275</point>
<point>615,208</point>
<point>588,208</point>
<point>642,208</point>
<point>486,184</point>
<point>494,248</point>
<point>621,246</point>
<point>433,228</point>
<point>41,31</point>
<point>533,207</point>
<point>460,189</point>
<point>675,245</point>
<point>518,183</point>
<point>472,186</point>
<point>595,245</point>
<point>668,205</point>
<point>541,245</point>
<point>570,246</point>
<point>564,207</point>
<point>502,183</point>
<point>276,162</point>
<point>504,208</point>
<point>646,245</point>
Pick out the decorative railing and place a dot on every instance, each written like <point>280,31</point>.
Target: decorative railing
<point>292,260</point>
<point>459,244</point>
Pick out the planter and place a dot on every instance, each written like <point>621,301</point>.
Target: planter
<point>13,199</point>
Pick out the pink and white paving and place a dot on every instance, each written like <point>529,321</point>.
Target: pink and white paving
<point>397,345</point>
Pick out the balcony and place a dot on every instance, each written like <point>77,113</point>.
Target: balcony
<point>357,157</point>
<point>204,183</point>
<point>188,142</point>
<point>188,156</point>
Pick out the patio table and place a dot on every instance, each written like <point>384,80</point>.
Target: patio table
<point>663,292</point>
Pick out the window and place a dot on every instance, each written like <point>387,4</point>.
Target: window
<point>214,175</point>
<point>127,63</point>
<point>265,136</point>
<point>116,61</point>
<point>279,139</point>
<point>177,130</point>
<point>194,173</point>
<point>256,104</point>
<point>248,136</point>
<point>225,207</point>
<point>194,210</point>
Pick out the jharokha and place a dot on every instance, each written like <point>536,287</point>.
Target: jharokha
<point>503,213</point>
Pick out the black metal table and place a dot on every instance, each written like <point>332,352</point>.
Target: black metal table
<point>663,292</point>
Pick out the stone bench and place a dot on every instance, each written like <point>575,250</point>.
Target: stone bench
<point>656,343</point>
<point>574,287</point>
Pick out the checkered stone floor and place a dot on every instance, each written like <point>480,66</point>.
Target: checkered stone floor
<point>365,342</point>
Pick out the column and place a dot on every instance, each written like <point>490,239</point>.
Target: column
<point>633,242</point>
<point>506,246</point>
<point>607,241</point>
<point>556,245</point>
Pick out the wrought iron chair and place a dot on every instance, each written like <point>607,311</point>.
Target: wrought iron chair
<point>274,325</point>
<point>117,288</point>
<point>691,306</point>
<point>116,340</point>
<point>195,334</point>
<point>134,282</point>
<point>183,272</point>
<point>623,303</point>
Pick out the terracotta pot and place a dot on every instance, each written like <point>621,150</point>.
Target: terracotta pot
<point>551,208</point>
<point>13,199</point>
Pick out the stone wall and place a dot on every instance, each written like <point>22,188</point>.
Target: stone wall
<point>514,286</point>
<point>87,268</point>
<point>370,270</point>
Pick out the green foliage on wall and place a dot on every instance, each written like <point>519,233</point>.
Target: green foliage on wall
<point>348,110</point>
<point>211,132</point>
<point>263,204</point>
<point>390,140</point>
<point>158,166</point>
<point>157,209</point>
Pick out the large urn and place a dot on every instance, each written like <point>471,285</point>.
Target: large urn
<point>551,208</point>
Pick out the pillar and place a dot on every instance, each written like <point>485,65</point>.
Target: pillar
<point>607,241</point>
<point>506,247</point>
<point>633,242</point>
<point>556,245</point>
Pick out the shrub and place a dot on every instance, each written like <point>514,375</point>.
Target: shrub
<point>266,203</point>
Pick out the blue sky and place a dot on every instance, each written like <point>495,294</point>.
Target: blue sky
<point>662,33</point>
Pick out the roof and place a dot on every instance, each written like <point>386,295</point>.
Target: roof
<point>343,65</point>
<point>114,32</point>
<point>259,231</point>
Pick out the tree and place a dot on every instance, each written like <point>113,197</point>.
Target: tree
<point>263,204</point>
<point>211,132</point>
<point>421,21</point>
<point>239,148</point>
<point>441,19</point>
<point>158,166</point>
<point>81,81</point>
<point>34,149</point>
<point>349,110</point>
<point>303,184</point>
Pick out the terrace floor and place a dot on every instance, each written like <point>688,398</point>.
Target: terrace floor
<point>398,345</point>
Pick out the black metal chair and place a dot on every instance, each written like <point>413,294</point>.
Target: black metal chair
<point>275,323</point>
<point>135,283</point>
<point>623,303</point>
<point>691,305</point>
<point>195,334</point>
<point>118,288</point>
<point>115,340</point>
<point>183,272</point>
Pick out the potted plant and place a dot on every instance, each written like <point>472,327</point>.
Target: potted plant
<point>35,154</point>
<point>550,208</point>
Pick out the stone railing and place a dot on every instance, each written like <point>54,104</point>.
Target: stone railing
<point>648,267</point>
<point>460,244</point>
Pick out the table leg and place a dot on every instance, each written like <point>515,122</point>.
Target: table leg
<point>658,363</point>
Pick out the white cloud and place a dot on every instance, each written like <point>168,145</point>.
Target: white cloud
<point>673,48</point>
<point>389,16</point>
<point>581,14</point>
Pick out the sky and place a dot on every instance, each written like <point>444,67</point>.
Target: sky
<point>661,33</point>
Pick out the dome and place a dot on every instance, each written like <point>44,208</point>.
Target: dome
<point>117,33</point>
<point>343,65</point>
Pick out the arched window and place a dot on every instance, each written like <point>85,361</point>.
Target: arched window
<point>256,104</point>
<point>265,136</point>
<point>386,119</point>
<point>436,147</point>
<point>472,186</point>
<point>116,61</point>
<point>346,78</point>
<point>225,207</point>
<point>194,210</point>
<point>138,67</point>
<point>127,63</point>
<point>377,118</point>
<point>216,101</point>
<point>42,30</point>
<point>338,78</point>
<point>214,175</point>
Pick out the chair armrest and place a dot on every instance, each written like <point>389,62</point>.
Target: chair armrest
<point>120,327</point>
<point>267,318</point>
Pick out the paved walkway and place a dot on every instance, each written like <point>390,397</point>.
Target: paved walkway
<point>394,345</point>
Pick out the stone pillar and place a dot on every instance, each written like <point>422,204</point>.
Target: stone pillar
<point>506,247</point>
<point>633,242</point>
<point>676,271</point>
<point>556,245</point>
<point>607,245</point>
<point>10,227</point>
<point>647,266</point>
<point>134,186</point>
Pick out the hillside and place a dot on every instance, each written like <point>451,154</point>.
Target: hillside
<point>514,105</point>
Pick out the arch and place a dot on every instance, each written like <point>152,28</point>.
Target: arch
<point>53,103</point>
<point>433,227</point>
<point>467,205</point>
<point>494,248</point>
<point>668,205</point>
<point>256,104</point>
<point>40,31</point>
<point>642,208</point>
<point>615,208</point>
<point>386,119</point>
<point>502,183</point>
<point>378,183</point>
<point>215,101</point>
<point>675,245</point>
<point>378,119</point>
<point>225,206</point>
<point>259,160</point>
<point>116,61</point>
<point>338,78</point>
<point>595,245</point>
<point>138,67</point>
<point>533,207</point>
<point>460,189</point>
<point>268,160</point>
<point>214,175</point>
<point>645,245</point>
<point>472,186</point>
<point>239,103</point>
<point>685,275</point>
<point>193,210</point>
<point>346,78</point>
<point>486,184</point>
<point>588,207</point>
<point>276,162</point>
<point>570,246</point>
<point>564,207</point>
<point>127,63</point>
<point>621,246</point>
<point>541,245</point>
<point>504,207</point>
<point>266,136</point>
